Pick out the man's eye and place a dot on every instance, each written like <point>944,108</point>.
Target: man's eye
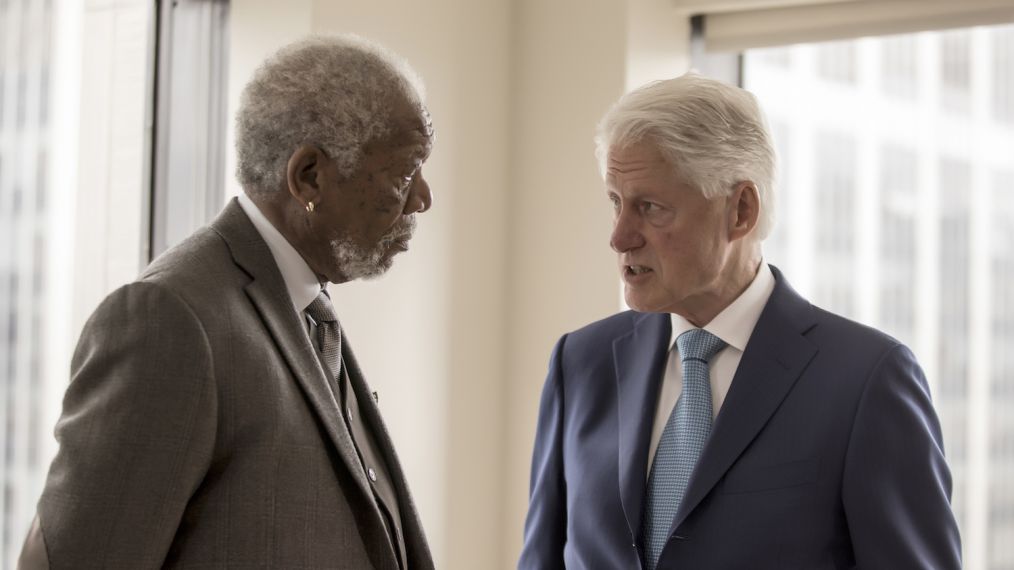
<point>649,206</point>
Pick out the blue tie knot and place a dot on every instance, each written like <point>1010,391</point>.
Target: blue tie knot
<point>698,344</point>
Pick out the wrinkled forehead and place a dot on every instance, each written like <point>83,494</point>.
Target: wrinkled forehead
<point>413,131</point>
<point>640,166</point>
<point>634,157</point>
<point>406,146</point>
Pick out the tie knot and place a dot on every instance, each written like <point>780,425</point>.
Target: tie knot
<point>321,309</point>
<point>698,344</point>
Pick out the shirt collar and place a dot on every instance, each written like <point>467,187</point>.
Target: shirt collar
<point>735,323</point>
<point>300,281</point>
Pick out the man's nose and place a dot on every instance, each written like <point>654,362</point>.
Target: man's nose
<point>420,198</point>
<point>626,235</point>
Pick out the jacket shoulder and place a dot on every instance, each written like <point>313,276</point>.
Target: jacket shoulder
<point>197,267</point>
<point>857,336</point>
<point>787,311</point>
<point>608,327</point>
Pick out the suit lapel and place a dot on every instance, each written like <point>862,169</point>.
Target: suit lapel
<point>640,357</point>
<point>415,540</point>
<point>270,297</point>
<point>775,357</point>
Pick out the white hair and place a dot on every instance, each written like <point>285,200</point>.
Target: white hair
<point>335,92</point>
<point>714,135</point>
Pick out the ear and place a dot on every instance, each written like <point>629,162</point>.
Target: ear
<point>744,210</point>
<point>305,174</point>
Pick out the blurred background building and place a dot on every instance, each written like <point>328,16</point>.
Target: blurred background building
<point>27,217</point>
<point>895,210</point>
<point>894,121</point>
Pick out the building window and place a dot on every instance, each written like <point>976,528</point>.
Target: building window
<point>836,61</point>
<point>69,228</point>
<point>901,216</point>
<point>1002,45</point>
<point>955,70</point>
<point>899,66</point>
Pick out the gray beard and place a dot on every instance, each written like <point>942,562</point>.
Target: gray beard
<point>357,262</point>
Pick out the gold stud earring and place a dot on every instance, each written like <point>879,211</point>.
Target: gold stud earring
<point>309,206</point>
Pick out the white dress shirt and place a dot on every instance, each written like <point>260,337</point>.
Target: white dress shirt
<point>734,325</point>
<point>302,284</point>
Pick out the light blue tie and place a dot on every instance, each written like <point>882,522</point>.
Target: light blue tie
<point>683,438</point>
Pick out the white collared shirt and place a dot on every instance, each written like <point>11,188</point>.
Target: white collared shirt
<point>302,284</point>
<point>734,325</point>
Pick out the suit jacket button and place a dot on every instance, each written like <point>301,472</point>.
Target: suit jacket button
<point>372,474</point>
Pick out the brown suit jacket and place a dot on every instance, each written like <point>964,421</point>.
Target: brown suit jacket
<point>198,430</point>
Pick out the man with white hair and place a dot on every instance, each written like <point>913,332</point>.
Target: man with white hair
<point>725,422</point>
<point>216,416</point>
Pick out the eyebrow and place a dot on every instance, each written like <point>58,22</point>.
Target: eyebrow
<point>419,151</point>
<point>424,150</point>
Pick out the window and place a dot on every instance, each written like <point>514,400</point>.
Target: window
<point>836,61</point>
<point>898,216</point>
<point>67,234</point>
<point>895,209</point>
<point>78,220</point>
<point>1001,452</point>
<point>1002,46</point>
<point>955,70</point>
<point>24,140</point>
<point>898,66</point>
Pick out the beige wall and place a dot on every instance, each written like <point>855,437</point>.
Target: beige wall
<point>515,250</point>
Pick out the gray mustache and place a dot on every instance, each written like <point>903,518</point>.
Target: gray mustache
<point>403,230</point>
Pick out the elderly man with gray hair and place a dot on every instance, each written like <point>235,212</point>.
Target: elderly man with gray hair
<point>725,422</point>
<point>216,416</point>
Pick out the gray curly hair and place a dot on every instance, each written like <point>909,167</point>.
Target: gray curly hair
<point>334,92</point>
<point>713,134</point>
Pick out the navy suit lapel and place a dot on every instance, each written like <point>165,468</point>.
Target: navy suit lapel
<point>640,358</point>
<point>775,357</point>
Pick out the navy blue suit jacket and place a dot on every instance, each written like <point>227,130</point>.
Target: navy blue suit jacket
<point>825,454</point>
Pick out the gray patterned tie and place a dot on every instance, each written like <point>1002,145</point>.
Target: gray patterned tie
<point>329,336</point>
<point>683,438</point>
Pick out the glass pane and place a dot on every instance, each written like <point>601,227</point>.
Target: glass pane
<point>896,154</point>
<point>72,140</point>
